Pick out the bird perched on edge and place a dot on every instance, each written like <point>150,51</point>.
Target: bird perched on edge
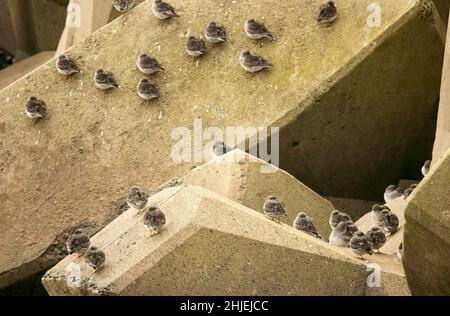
<point>305,224</point>
<point>105,80</point>
<point>220,148</point>
<point>148,65</point>
<point>327,12</point>
<point>148,90</point>
<point>376,213</point>
<point>409,190</point>
<point>195,47</point>
<point>66,66</point>
<point>123,5</point>
<point>389,221</point>
<point>336,217</point>
<point>360,244</point>
<point>215,33</point>
<point>274,209</point>
<point>163,10</point>
<point>95,258</point>
<point>341,234</point>
<point>391,193</point>
<point>256,30</point>
<point>377,237</point>
<point>426,168</point>
<point>252,62</point>
<point>137,198</point>
<point>78,243</point>
<point>36,109</point>
<point>154,219</point>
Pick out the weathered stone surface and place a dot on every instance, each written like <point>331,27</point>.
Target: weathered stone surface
<point>214,246</point>
<point>236,177</point>
<point>327,92</point>
<point>427,233</point>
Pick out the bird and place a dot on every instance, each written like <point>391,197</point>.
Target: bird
<point>409,190</point>
<point>391,193</point>
<point>377,237</point>
<point>137,199</point>
<point>426,167</point>
<point>154,219</point>
<point>341,234</point>
<point>215,33</point>
<point>148,65</point>
<point>195,47</point>
<point>376,212</point>
<point>163,10</point>
<point>253,62</point>
<point>36,109</point>
<point>360,244</point>
<point>123,5</point>
<point>336,217</point>
<point>95,258</point>
<point>256,30</point>
<point>78,242</point>
<point>220,148</point>
<point>66,66</point>
<point>327,12</point>
<point>147,90</point>
<point>104,80</point>
<point>389,221</point>
<point>274,208</point>
<point>305,224</point>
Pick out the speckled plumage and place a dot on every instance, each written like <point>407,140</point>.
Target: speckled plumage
<point>391,193</point>
<point>360,244</point>
<point>327,12</point>
<point>377,237</point>
<point>148,90</point>
<point>163,10</point>
<point>123,5</point>
<point>426,168</point>
<point>105,80</point>
<point>148,65</point>
<point>389,221</point>
<point>305,224</point>
<point>253,62</point>
<point>341,234</point>
<point>95,258</point>
<point>336,217</point>
<point>66,66</point>
<point>256,30</point>
<point>376,212</point>
<point>274,208</point>
<point>137,198</point>
<point>78,243</point>
<point>409,190</point>
<point>195,47</point>
<point>215,33</point>
<point>154,219</point>
<point>36,108</point>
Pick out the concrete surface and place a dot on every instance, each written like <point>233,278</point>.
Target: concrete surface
<point>327,88</point>
<point>214,246</point>
<point>427,233</point>
<point>234,176</point>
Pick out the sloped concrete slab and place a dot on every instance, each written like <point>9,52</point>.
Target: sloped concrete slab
<point>427,233</point>
<point>327,88</point>
<point>212,246</point>
<point>239,177</point>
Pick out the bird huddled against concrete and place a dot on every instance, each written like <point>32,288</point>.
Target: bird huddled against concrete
<point>105,80</point>
<point>389,221</point>
<point>376,213</point>
<point>215,33</point>
<point>162,10</point>
<point>36,108</point>
<point>426,168</point>
<point>392,193</point>
<point>154,219</point>
<point>78,243</point>
<point>148,90</point>
<point>195,47</point>
<point>220,148</point>
<point>66,66</point>
<point>360,244</point>
<point>148,65</point>
<point>274,208</point>
<point>257,30</point>
<point>327,12</point>
<point>95,258</point>
<point>123,5</point>
<point>305,224</point>
<point>137,199</point>
<point>253,62</point>
<point>407,192</point>
<point>377,237</point>
<point>337,216</point>
<point>341,234</point>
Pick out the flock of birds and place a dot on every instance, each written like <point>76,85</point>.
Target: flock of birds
<point>344,232</point>
<point>215,33</point>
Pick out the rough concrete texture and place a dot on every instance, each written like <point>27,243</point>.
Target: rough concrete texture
<point>240,179</point>
<point>214,246</point>
<point>336,97</point>
<point>427,233</point>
